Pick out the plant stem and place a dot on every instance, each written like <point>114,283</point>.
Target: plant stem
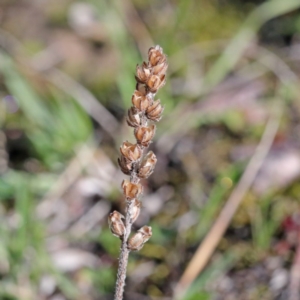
<point>150,77</point>
<point>124,254</point>
<point>123,260</point>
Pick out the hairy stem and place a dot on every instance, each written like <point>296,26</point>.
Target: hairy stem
<point>149,77</point>
<point>124,254</point>
<point>123,260</point>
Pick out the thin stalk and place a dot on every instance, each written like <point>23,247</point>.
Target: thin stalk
<point>124,253</point>
<point>150,77</point>
<point>123,260</point>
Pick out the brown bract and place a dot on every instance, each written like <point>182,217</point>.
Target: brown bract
<point>144,134</point>
<point>147,166</point>
<point>131,190</point>
<point>116,224</point>
<point>160,69</point>
<point>154,111</point>
<point>156,56</point>
<point>140,101</point>
<point>135,210</point>
<point>125,165</point>
<point>131,152</point>
<point>137,241</point>
<point>133,118</point>
<point>155,82</point>
<point>142,73</point>
<point>141,88</point>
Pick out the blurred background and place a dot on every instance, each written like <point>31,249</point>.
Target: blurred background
<point>230,136</point>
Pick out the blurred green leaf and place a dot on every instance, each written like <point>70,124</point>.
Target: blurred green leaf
<point>28,100</point>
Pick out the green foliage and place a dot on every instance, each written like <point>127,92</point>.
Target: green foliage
<point>110,243</point>
<point>198,296</point>
<point>104,279</point>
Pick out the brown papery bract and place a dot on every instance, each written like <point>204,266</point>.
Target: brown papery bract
<point>140,102</point>
<point>131,152</point>
<point>147,166</point>
<point>155,82</point>
<point>154,111</point>
<point>137,241</point>
<point>131,190</point>
<point>116,224</point>
<point>133,118</point>
<point>142,73</point>
<point>125,165</point>
<point>144,135</point>
<point>156,56</point>
<point>136,210</point>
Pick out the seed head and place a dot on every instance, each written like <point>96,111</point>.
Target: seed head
<point>133,118</point>
<point>144,134</point>
<point>160,69</point>
<point>132,152</point>
<point>135,210</point>
<point>156,56</point>
<point>142,73</point>
<point>140,101</point>
<point>141,88</point>
<point>131,190</point>
<point>125,165</point>
<point>154,111</point>
<point>147,165</point>
<point>137,241</point>
<point>155,82</point>
<point>116,224</point>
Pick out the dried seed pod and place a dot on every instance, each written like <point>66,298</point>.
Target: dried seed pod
<point>135,210</point>
<point>156,56</point>
<point>140,101</point>
<point>154,111</point>
<point>147,232</point>
<point>131,190</point>
<point>142,73</point>
<point>141,88</point>
<point>133,118</point>
<point>137,241</point>
<point>160,69</point>
<point>132,152</point>
<point>116,224</point>
<point>125,165</point>
<point>155,82</point>
<point>144,134</point>
<point>147,166</point>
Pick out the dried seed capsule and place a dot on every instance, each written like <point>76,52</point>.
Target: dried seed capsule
<point>125,165</point>
<point>154,111</point>
<point>132,152</point>
<point>156,56</point>
<point>142,73</point>
<point>137,241</point>
<point>135,210</point>
<point>160,69</point>
<point>133,118</point>
<point>141,88</point>
<point>147,165</point>
<point>140,101</point>
<point>144,134</point>
<point>155,82</point>
<point>131,190</point>
<point>116,224</point>
<point>147,232</point>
